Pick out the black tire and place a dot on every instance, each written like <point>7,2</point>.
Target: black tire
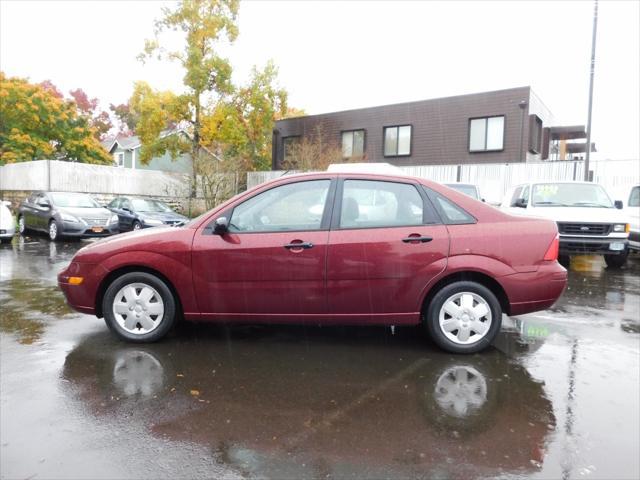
<point>616,261</point>
<point>136,225</point>
<point>432,312</point>
<point>169,302</point>
<point>50,230</point>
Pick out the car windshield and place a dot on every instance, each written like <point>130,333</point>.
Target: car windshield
<point>466,189</point>
<point>142,205</point>
<point>570,195</point>
<point>74,200</point>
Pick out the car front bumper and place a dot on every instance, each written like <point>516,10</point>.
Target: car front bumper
<point>81,230</point>
<point>82,297</point>
<point>7,232</point>
<point>593,245</point>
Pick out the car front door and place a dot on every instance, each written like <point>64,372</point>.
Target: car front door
<point>270,264</point>
<point>42,212</point>
<point>386,245</point>
<point>126,216</point>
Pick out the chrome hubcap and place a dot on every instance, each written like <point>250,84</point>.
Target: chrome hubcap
<point>136,226</point>
<point>21,224</point>
<point>53,230</point>
<point>465,318</point>
<point>138,308</point>
<point>461,391</point>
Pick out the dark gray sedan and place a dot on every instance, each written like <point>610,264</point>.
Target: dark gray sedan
<point>136,213</point>
<point>63,214</point>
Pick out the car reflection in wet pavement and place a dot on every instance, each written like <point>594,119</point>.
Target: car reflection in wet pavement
<point>558,396</point>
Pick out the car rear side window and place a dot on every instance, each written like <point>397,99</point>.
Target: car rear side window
<point>450,213</point>
<point>292,207</point>
<point>374,204</point>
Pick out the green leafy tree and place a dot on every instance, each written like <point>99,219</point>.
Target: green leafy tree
<point>37,122</point>
<point>204,23</point>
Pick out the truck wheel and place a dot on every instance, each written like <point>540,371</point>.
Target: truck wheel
<point>616,261</point>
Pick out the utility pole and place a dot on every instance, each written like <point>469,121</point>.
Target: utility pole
<point>593,67</point>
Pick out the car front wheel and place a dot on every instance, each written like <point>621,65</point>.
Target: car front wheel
<point>54,231</point>
<point>463,317</point>
<point>139,307</point>
<point>22,227</point>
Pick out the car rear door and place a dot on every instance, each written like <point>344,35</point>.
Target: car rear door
<point>270,265</point>
<point>386,244</point>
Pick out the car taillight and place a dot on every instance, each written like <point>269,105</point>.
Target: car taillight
<point>552,251</point>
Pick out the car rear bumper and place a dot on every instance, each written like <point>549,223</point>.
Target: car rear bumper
<point>533,291</point>
<point>82,297</point>
<point>599,246</point>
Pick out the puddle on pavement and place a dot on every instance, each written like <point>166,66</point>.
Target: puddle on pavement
<point>303,402</point>
<point>27,307</point>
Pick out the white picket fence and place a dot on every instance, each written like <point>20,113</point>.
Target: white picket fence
<point>495,179</point>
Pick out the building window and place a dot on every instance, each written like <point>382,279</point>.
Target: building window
<point>535,134</point>
<point>486,134</point>
<point>353,143</point>
<point>397,141</point>
<point>118,158</point>
<point>289,145</point>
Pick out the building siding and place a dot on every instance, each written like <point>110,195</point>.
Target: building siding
<point>440,133</point>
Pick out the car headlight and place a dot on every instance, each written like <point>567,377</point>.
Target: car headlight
<point>69,218</point>
<point>152,221</point>
<point>113,219</point>
<point>621,227</point>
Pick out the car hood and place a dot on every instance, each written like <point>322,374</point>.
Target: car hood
<point>162,215</point>
<point>576,214</point>
<point>6,219</point>
<point>97,212</point>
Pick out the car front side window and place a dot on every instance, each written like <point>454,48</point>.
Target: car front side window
<point>292,207</point>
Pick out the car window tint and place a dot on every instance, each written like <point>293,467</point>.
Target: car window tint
<point>525,195</point>
<point>292,207</point>
<point>515,196</point>
<point>368,203</point>
<point>451,213</point>
<point>115,203</point>
<point>634,197</point>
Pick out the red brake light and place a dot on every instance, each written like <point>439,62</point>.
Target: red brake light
<point>552,251</point>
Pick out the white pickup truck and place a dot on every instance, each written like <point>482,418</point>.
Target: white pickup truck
<point>588,221</point>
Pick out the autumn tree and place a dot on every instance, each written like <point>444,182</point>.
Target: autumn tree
<point>88,107</point>
<point>314,151</point>
<point>127,119</point>
<point>37,122</point>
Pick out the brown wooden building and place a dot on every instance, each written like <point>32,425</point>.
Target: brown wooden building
<point>502,126</point>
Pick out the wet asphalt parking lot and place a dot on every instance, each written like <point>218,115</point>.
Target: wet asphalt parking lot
<point>557,397</point>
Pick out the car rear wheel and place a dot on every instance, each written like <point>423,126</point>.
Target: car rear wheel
<point>616,261</point>
<point>463,317</point>
<point>139,307</point>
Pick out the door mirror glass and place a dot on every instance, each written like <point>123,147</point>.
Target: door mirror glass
<point>221,226</point>
<point>618,204</point>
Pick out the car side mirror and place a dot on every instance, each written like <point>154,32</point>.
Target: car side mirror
<point>221,226</point>
<point>521,203</point>
<point>618,204</point>
<point>126,209</point>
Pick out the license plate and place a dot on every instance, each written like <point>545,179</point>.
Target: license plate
<point>616,246</point>
<point>97,229</point>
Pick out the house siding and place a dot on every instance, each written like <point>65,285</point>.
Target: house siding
<point>440,133</point>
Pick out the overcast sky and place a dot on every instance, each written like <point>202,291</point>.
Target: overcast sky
<point>341,55</point>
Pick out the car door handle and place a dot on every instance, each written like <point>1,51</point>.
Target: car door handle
<point>305,245</point>
<point>417,238</point>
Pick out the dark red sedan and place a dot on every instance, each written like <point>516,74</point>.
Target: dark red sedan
<point>327,248</point>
